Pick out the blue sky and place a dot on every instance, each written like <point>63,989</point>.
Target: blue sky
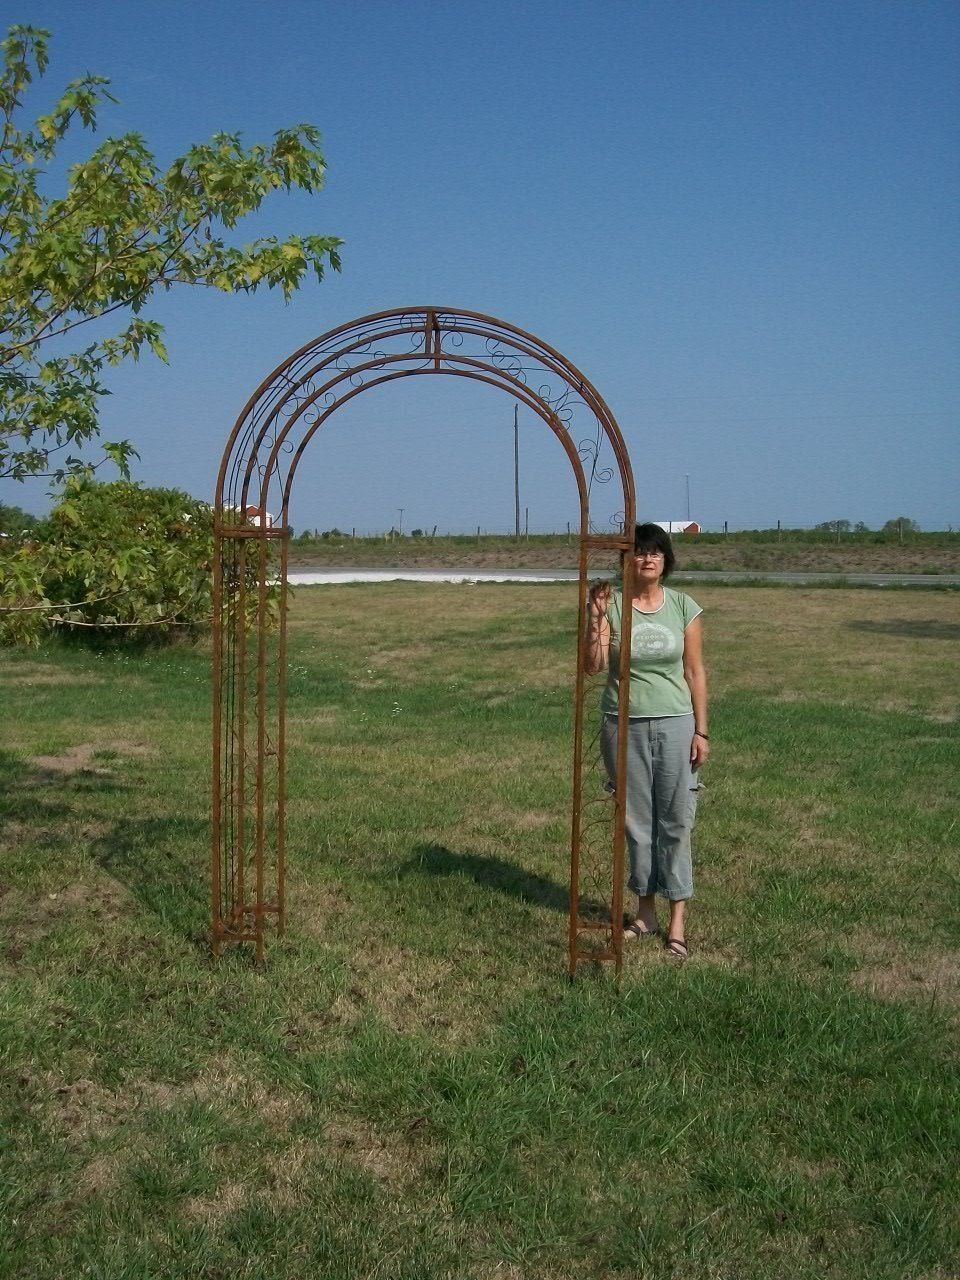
<point>739,219</point>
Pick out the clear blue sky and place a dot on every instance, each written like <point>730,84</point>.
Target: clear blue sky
<point>739,219</point>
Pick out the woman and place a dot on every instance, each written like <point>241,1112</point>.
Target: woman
<point>668,740</point>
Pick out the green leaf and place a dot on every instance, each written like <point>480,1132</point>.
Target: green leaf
<point>120,230</point>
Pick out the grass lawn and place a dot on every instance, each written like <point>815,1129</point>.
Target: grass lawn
<point>411,1089</point>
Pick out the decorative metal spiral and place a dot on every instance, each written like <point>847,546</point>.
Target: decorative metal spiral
<point>589,453</point>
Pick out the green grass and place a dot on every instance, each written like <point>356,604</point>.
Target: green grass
<point>411,1089</point>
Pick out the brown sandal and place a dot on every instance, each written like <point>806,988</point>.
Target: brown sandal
<point>634,929</point>
<point>672,947</point>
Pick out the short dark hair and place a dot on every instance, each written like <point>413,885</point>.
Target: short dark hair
<point>650,537</point>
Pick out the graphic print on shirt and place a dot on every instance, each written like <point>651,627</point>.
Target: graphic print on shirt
<point>652,640</point>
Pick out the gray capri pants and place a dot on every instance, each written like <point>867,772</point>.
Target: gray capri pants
<point>661,801</point>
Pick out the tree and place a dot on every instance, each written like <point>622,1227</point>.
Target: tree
<point>833,526</point>
<point>122,229</point>
<point>901,524</point>
<point>14,521</point>
<point>154,582</point>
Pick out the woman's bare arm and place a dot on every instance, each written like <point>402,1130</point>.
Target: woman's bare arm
<point>598,628</point>
<point>695,674</point>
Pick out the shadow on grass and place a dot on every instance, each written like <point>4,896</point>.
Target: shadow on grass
<point>162,863</point>
<point>912,628</point>
<point>36,795</point>
<point>490,872</point>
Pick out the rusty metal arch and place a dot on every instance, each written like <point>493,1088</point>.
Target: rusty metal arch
<point>257,472</point>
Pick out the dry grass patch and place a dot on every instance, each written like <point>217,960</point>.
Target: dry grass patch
<point>321,906</point>
<point>132,747</point>
<point>942,712</point>
<point>88,757</point>
<point>80,1111</point>
<point>388,1159</point>
<point>26,918</point>
<point>76,759</point>
<point>826,646</point>
<point>407,990</point>
<point>101,1175</point>
<point>215,1207</point>
<point>891,971</point>
<point>524,819</point>
<point>288,1170</point>
<point>31,674</point>
<point>221,1087</point>
<point>14,832</point>
<point>483,815</point>
<point>418,651</point>
<point>325,715</point>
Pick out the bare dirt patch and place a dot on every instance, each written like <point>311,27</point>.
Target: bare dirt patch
<point>90,757</point>
<point>76,759</point>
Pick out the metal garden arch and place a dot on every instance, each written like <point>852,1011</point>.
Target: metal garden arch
<point>258,470</point>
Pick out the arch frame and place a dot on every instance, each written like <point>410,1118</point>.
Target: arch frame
<point>258,468</point>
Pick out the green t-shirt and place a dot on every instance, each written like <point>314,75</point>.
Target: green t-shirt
<point>657,686</point>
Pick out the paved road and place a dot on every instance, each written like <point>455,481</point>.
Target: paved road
<point>329,577</point>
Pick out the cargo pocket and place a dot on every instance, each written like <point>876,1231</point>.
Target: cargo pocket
<point>693,797</point>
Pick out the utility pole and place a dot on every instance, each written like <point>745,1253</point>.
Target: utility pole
<point>400,530</point>
<point>516,468</point>
<point>687,478</point>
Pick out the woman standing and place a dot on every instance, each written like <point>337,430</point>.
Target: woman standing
<point>668,729</point>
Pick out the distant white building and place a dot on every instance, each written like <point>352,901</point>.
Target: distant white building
<point>257,517</point>
<point>252,515</point>
<point>678,526</point>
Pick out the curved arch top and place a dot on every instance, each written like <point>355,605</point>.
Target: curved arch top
<point>293,402</point>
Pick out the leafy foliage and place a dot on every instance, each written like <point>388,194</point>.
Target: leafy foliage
<point>116,560</point>
<point>14,521</point>
<point>833,526</point>
<point>123,229</point>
